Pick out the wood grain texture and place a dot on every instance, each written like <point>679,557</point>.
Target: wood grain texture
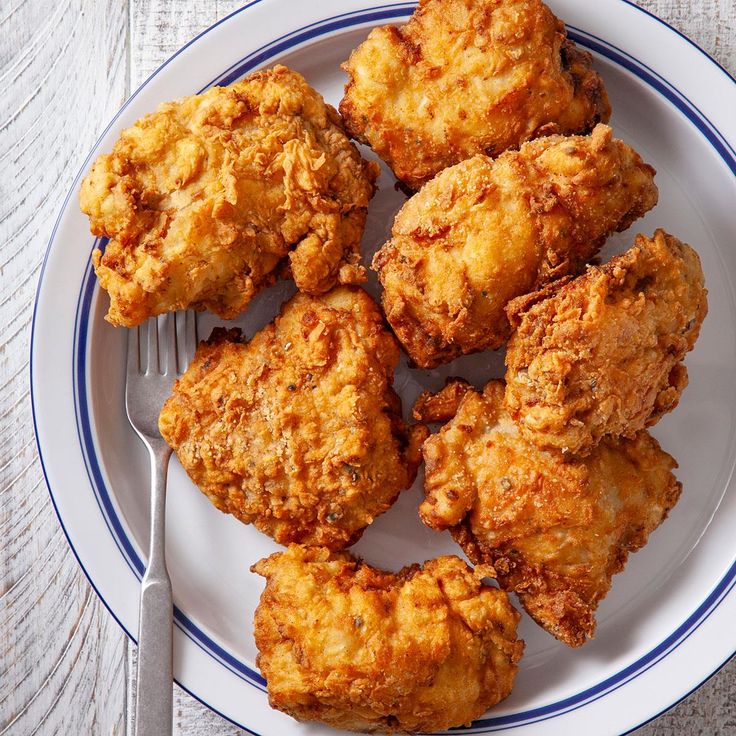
<point>66,67</point>
<point>62,658</point>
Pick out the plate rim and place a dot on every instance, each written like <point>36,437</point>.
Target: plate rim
<point>404,6</point>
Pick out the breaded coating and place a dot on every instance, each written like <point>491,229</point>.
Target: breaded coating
<point>555,528</point>
<point>298,431</point>
<point>465,77</point>
<point>424,649</point>
<point>486,231</point>
<point>442,406</point>
<point>601,354</point>
<point>206,199</point>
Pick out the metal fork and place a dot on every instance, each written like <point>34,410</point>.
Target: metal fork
<point>158,351</point>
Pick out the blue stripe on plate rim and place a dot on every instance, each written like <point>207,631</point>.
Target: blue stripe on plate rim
<point>190,629</point>
<point>380,13</point>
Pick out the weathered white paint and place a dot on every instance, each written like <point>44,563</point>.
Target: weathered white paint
<point>62,658</point>
<point>65,67</point>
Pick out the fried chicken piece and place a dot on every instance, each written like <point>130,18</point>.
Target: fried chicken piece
<point>442,406</point>
<point>465,77</point>
<point>555,528</point>
<point>298,431</point>
<point>486,231</point>
<point>359,648</point>
<point>601,354</point>
<point>205,199</point>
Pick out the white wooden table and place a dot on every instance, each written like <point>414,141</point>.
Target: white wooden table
<point>65,68</point>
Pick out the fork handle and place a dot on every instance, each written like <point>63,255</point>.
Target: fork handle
<point>153,706</point>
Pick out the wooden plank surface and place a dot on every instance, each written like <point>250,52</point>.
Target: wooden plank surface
<point>65,68</point>
<point>62,657</point>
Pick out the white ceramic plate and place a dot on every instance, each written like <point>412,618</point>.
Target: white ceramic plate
<point>668,622</point>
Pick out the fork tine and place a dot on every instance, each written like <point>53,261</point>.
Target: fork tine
<point>183,339</point>
<point>143,348</point>
<point>152,346</point>
<point>190,337</point>
<point>169,360</point>
<point>134,364</point>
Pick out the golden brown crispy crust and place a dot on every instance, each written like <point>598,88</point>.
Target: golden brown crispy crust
<point>485,231</point>
<point>554,528</point>
<point>424,649</point>
<point>298,431</point>
<point>601,354</point>
<point>443,405</point>
<point>465,77</point>
<point>207,197</point>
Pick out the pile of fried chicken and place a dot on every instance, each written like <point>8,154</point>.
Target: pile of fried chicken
<point>496,123</point>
